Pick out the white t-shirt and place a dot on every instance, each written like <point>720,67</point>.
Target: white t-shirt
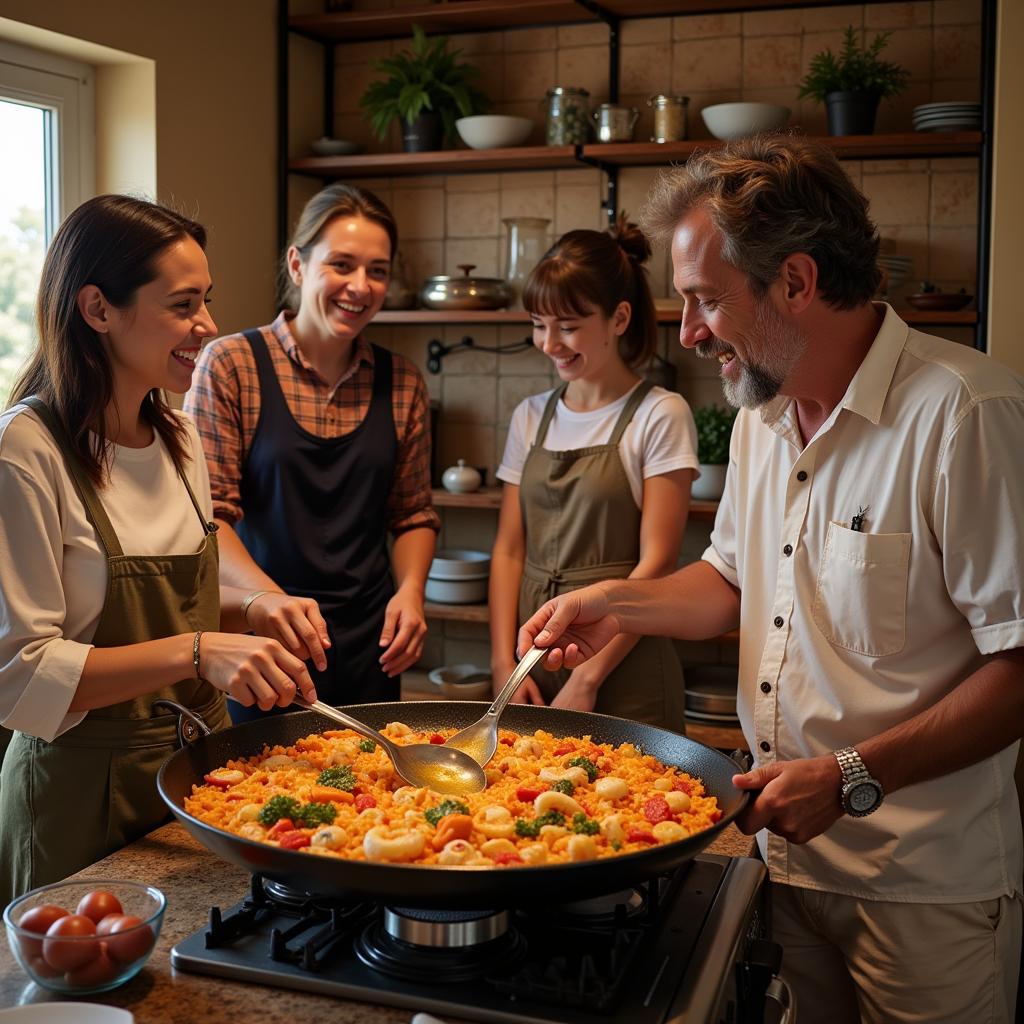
<point>660,438</point>
<point>53,573</point>
<point>845,633</point>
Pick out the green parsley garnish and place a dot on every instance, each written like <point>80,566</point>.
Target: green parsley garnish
<point>367,746</point>
<point>443,809</point>
<point>339,777</point>
<point>583,825</point>
<point>564,786</point>
<point>278,807</point>
<point>587,765</point>
<point>531,829</point>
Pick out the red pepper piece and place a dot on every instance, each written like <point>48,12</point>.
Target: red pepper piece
<point>507,740</point>
<point>657,809</point>
<point>565,748</point>
<point>636,835</point>
<point>507,858</point>
<point>364,801</point>
<point>716,816</point>
<point>293,840</point>
<point>528,795</point>
<point>280,826</point>
<point>436,738</point>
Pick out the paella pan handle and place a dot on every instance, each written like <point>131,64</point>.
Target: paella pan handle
<point>190,725</point>
<point>743,759</point>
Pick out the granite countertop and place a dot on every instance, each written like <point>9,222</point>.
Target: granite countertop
<point>193,879</point>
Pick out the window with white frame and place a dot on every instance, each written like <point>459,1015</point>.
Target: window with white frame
<point>47,128</point>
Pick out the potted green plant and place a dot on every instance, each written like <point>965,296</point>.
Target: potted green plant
<point>714,430</point>
<point>852,83</point>
<point>426,88</point>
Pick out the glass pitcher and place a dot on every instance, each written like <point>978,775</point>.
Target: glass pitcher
<point>527,243</point>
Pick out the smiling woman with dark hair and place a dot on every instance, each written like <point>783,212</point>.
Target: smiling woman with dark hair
<point>109,595</point>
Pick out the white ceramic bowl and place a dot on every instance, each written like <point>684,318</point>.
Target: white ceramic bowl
<point>459,564</point>
<point>738,120</point>
<point>492,131</point>
<point>464,591</point>
<point>462,682</point>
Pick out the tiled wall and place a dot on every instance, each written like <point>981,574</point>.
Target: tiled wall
<point>924,208</point>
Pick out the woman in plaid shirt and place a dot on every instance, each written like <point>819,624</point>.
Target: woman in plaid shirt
<point>318,446</point>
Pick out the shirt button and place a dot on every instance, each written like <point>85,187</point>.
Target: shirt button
<point>779,620</point>
<point>765,746</point>
<point>801,476</point>
<point>788,550</point>
<point>766,687</point>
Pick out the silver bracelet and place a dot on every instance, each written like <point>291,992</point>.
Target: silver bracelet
<point>248,600</point>
<point>195,655</point>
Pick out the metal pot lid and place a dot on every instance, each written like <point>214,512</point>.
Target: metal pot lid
<point>466,268</point>
<point>711,690</point>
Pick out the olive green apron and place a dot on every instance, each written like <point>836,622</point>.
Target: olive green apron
<point>582,525</point>
<point>67,803</point>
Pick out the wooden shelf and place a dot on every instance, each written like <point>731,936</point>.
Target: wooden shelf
<point>487,15</point>
<point>486,497</point>
<point>458,612</point>
<point>904,145</point>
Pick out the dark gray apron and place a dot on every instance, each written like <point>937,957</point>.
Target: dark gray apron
<point>582,525</point>
<point>67,803</point>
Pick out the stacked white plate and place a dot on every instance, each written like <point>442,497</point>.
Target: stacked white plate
<point>947,117</point>
<point>898,269</point>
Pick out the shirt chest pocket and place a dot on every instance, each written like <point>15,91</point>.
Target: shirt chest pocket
<point>860,601</point>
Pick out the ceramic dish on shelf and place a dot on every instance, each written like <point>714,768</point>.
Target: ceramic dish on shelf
<point>334,147</point>
<point>462,682</point>
<point>738,120</point>
<point>493,131</point>
<point>939,301</point>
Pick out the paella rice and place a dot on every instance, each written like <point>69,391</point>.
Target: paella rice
<point>548,800</point>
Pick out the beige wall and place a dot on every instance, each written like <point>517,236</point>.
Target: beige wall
<point>215,122</point>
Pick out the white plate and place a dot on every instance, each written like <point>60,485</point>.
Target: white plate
<point>66,1013</point>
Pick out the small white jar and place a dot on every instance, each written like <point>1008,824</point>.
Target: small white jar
<point>460,478</point>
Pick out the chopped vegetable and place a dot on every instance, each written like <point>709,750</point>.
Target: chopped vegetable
<point>293,840</point>
<point>283,825</point>
<point>435,814</point>
<point>436,738</point>
<point>616,845</point>
<point>367,746</point>
<point>531,829</point>
<point>507,858</point>
<point>528,795</point>
<point>317,814</point>
<point>339,777</point>
<point>564,786</point>
<point>636,835</point>
<point>586,764</point>
<point>583,825</point>
<point>278,807</point>
<point>364,802</point>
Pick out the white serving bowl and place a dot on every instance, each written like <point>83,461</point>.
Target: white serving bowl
<point>459,564</point>
<point>492,131</point>
<point>462,682</point>
<point>464,591</point>
<point>738,120</point>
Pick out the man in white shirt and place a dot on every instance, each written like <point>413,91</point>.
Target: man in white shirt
<point>872,524</point>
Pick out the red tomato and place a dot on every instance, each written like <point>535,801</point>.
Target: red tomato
<point>98,904</point>
<point>97,972</point>
<point>38,920</point>
<point>293,840</point>
<point>104,927</point>
<point>436,737</point>
<point>70,942</point>
<point>657,809</point>
<point>364,801</point>
<point>37,965</point>
<point>636,835</point>
<point>528,795</point>
<point>130,939</point>
<point>507,740</point>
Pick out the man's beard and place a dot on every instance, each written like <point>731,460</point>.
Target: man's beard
<point>760,382</point>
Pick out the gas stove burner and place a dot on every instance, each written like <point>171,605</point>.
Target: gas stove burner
<point>445,929</point>
<point>612,907</point>
<point>429,959</point>
<point>285,894</point>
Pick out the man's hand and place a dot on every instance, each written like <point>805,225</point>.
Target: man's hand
<point>798,800</point>
<point>404,631</point>
<point>295,622</point>
<point>579,622</point>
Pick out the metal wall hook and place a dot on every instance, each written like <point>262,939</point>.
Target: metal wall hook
<point>437,350</point>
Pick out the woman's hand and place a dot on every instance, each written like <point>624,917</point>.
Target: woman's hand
<point>405,629</point>
<point>528,692</point>
<point>579,622</point>
<point>253,670</point>
<point>579,692</point>
<point>294,621</point>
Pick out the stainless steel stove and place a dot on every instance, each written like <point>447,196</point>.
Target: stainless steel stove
<point>690,946</point>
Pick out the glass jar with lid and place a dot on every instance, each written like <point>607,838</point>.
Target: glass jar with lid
<point>669,117</point>
<point>568,116</point>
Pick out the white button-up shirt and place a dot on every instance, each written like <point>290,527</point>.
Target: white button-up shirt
<point>846,633</point>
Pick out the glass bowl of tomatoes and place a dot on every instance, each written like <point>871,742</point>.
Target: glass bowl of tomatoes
<point>87,936</point>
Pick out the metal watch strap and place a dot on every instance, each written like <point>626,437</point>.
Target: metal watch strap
<point>851,765</point>
<point>854,775</point>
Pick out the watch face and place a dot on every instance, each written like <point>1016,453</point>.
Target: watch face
<point>863,797</point>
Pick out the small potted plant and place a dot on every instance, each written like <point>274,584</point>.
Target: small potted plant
<point>426,88</point>
<point>714,429</point>
<point>852,83</point>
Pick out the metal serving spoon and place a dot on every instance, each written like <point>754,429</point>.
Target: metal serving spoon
<point>480,740</point>
<point>445,770</point>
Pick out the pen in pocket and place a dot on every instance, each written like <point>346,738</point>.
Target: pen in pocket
<point>857,522</point>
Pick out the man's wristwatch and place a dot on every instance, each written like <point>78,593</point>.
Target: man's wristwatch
<point>860,793</point>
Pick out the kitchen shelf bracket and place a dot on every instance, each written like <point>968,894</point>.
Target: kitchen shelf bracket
<point>612,21</point>
<point>437,350</point>
<point>611,171</point>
